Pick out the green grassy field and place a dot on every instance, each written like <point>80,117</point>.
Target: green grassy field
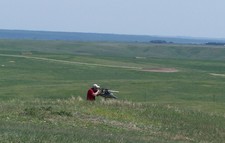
<point>43,88</point>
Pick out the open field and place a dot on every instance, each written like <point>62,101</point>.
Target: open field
<point>168,93</point>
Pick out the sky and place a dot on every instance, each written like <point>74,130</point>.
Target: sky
<point>191,18</point>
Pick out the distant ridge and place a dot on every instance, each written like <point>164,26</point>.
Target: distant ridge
<point>77,36</point>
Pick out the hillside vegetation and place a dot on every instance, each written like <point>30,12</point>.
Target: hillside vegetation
<point>109,49</point>
<point>44,84</point>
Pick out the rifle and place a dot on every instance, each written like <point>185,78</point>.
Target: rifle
<point>106,93</point>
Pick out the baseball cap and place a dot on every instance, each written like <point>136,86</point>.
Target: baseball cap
<point>95,86</point>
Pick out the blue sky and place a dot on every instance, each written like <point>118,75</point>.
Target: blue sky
<point>195,18</point>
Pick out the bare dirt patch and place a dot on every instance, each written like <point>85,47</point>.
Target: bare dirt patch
<point>216,74</point>
<point>166,70</point>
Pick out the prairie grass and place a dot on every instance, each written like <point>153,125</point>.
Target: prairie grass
<point>74,119</point>
<point>45,100</point>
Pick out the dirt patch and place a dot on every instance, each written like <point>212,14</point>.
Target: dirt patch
<point>166,70</point>
<point>216,74</point>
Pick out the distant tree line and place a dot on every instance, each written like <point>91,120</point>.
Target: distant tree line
<point>160,42</point>
<point>215,43</point>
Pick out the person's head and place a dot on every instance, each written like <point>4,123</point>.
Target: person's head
<point>95,86</point>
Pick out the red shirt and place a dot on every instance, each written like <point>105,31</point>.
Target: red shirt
<point>90,94</point>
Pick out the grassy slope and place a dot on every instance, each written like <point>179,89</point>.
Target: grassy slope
<point>41,100</point>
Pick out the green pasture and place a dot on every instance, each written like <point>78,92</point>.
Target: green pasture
<point>43,87</point>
